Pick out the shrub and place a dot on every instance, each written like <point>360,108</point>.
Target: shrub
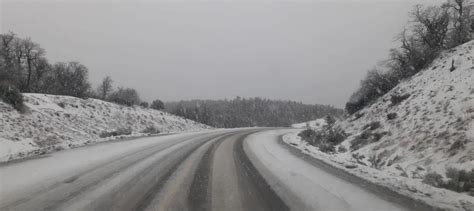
<point>335,136</point>
<point>458,180</point>
<point>61,104</point>
<point>457,145</point>
<point>372,125</point>
<point>357,116</point>
<point>47,141</point>
<point>325,139</point>
<point>151,130</point>
<point>433,179</point>
<point>307,135</point>
<point>144,104</point>
<point>341,149</point>
<point>359,142</point>
<point>327,147</point>
<point>366,137</point>
<point>125,96</point>
<point>118,132</point>
<point>391,116</point>
<point>396,99</point>
<point>157,105</point>
<point>11,95</point>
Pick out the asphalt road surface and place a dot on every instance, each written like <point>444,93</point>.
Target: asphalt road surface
<point>213,170</point>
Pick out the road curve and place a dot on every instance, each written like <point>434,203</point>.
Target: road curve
<point>214,170</point>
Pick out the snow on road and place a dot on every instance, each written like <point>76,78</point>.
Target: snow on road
<point>41,172</point>
<point>318,189</point>
<point>217,170</point>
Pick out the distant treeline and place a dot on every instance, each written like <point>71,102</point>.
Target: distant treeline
<point>24,67</point>
<point>249,112</point>
<point>431,30</point>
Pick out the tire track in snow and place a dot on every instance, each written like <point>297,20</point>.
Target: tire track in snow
<point>139,191</point>
<point>258,195</point>
<point>199,191</point>
<point>80,182</point>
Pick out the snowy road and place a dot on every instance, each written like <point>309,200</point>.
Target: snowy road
<point>244,169</point>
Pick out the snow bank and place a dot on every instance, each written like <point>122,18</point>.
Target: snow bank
<point>59,122</point>
<point>414,188</point>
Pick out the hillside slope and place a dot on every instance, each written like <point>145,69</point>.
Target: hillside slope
<point>418,139</point>
<point>425,123</point>
<point>58,122</point>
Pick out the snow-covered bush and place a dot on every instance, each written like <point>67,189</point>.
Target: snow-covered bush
<point>325,139</point>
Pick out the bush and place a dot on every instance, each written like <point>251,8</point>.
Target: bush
<point>359,142</point>
<point>157,105</point>
<point>11,95</point>
<point>144,104</point>
<point>341,149</point>
<point>151,130</point>
<point>396,99</point>
<point>433,179</point>
<point>125,96</point>
<point>366,137</point>
<point>118,132</point>
<point>391,116</point>
<point>325,139</point>
<point>327,148</point>
<point>458,180</point>
<point>61,104</point>
<point>372,125</point>
<point>335,136</point>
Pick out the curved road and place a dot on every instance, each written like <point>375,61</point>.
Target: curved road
<point>242,169</point>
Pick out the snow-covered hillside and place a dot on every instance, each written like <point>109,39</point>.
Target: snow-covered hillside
<point>59,122</point>
<point>424,125</point>
<point>430,130</point>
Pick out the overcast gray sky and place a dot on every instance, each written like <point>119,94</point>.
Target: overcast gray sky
<point>309,51</point>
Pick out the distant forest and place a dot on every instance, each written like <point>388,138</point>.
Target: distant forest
<point>249,112</point>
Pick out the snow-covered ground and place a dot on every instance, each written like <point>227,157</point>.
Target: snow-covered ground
<point>433,128</point>
<point>60,122</point>
<point>429,131</point>
<point>414,188</point>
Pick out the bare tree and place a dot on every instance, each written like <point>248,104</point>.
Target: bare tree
<point>125,96</point>
<point>460,11</point>
<point>105,88</point>
<point>431,25</point>
<point>68,79</point>
<point>32,52</point>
